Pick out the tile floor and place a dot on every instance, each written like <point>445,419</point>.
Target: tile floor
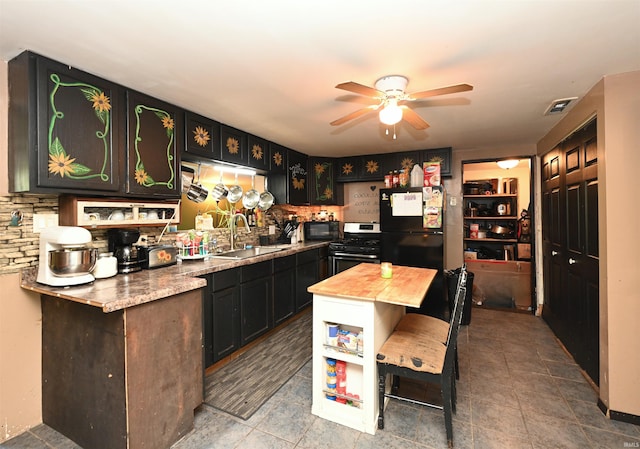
<point>517,388</point>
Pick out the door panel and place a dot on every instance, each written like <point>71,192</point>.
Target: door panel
<point>570,246</point>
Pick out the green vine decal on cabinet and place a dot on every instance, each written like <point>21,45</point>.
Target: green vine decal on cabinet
<point>60,161</point>
<point>142,176</point>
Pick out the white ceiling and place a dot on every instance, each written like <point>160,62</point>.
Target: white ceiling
<point>270,67</point>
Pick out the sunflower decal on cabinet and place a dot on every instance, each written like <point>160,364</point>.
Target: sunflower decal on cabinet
<point>233,145</point>
<point>256,152</point>
<point>347,169</point>
<point>372,167</point>
<point>277,159</point>
<point>201,136</point>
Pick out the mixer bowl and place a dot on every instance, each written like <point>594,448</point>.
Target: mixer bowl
<point>69,262</point>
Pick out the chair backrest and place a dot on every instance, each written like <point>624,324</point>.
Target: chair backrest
<point>456,318</point>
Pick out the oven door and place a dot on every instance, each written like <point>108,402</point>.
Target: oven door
<point>343,261</point>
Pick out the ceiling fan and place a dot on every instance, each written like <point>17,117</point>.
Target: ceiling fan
<point>390,92</point>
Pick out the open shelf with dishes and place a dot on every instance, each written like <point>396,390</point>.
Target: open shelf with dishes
<point>108,213</point>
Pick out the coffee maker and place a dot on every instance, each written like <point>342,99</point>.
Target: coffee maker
<point>122,245</point>
<point>66,256</point>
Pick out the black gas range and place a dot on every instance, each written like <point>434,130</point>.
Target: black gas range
<point>361,243</point>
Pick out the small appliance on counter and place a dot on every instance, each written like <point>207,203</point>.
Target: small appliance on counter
<point>156,256</point>
<point>66,257</point>
<point>122,245</point>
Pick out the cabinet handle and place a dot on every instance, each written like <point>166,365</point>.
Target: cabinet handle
<point>554,253</point>
<point>571,261</point>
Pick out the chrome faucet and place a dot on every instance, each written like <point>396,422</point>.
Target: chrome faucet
<point>233,228</point>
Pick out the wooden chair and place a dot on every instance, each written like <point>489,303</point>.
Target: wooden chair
<point>415,352</point>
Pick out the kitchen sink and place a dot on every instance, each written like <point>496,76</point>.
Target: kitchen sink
<point>246,253</point>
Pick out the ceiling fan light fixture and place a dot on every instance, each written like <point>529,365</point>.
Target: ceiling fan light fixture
<point>508,163</point>
<point>391,113</point>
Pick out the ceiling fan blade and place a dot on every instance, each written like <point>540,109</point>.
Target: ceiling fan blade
<point>440,91</point>
<point>354,115</point>
<point>413,118</point>
<point>360,89</point>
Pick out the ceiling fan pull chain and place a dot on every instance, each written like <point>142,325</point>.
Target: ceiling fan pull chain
<point>394,132</point>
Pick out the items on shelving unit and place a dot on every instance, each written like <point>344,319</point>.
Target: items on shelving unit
<point>490,220</point>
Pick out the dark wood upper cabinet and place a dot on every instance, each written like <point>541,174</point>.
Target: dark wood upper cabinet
<point>257,152</point>
<point>155,131</point>
<point>323,188</point>
<point>65,128</point>
<point>201,137</point>
<point>233,144</point>
<point>277,159</point>
<point>347,169</point>
<point>297,178</point>
<point>374,166</point>
<point>290,184</point>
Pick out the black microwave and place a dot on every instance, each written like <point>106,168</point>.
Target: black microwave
<point>321,230</point>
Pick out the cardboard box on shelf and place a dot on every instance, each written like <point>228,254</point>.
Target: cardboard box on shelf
<point>524,251</point>
<point>431,173</point>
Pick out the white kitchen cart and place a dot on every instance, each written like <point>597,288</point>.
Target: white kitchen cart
<point>359,300</point>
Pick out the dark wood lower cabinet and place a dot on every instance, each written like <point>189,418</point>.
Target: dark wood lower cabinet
<point>255,301</point>
<point>307,273</point>
<point>221,315</point>
<point>284,288</point>
<point>125,379</point>
<point>241,304</point>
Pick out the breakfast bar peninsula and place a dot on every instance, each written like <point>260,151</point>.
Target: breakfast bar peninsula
<point>354,312</point>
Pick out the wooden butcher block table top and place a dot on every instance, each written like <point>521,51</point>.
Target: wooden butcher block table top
<point>406,287</point>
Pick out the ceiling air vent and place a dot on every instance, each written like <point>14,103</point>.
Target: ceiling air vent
<point>558,106</point>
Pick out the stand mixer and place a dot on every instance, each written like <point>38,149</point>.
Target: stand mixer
<point>65,256</point>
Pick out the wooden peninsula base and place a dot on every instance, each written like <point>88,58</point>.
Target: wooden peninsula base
<point>125,379</point>
<point>366,307</point>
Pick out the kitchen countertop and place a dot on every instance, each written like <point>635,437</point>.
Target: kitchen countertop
<point>406,287</point>
<point>128,290</point>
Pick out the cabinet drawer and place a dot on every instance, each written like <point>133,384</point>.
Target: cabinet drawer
<point>225,279</point>
<point>284,263</point>
<point>255,271</point>
<point>307,256</point>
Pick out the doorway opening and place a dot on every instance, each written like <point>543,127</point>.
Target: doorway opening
<point>498,235</point>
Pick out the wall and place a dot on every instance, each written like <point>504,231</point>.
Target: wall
<point>616,101</point>
<point>20,321</point>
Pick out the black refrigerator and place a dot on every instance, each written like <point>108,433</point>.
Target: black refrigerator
<point>412,225</point>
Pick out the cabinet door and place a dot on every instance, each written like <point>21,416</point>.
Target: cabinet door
<point>255,308</point>
<point>77,120</point>
<point>307,273</point>
<point>258,152</point>
<point>202,136</point>
<point>322,181</point>
<point>375,166</point>
<point>226,323</point>
<point>284,295</point>
<point>297,178</point>
<point>346,168</point>
<point>154,146</point>
<point>277,159</point>
<point>233,145</point>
